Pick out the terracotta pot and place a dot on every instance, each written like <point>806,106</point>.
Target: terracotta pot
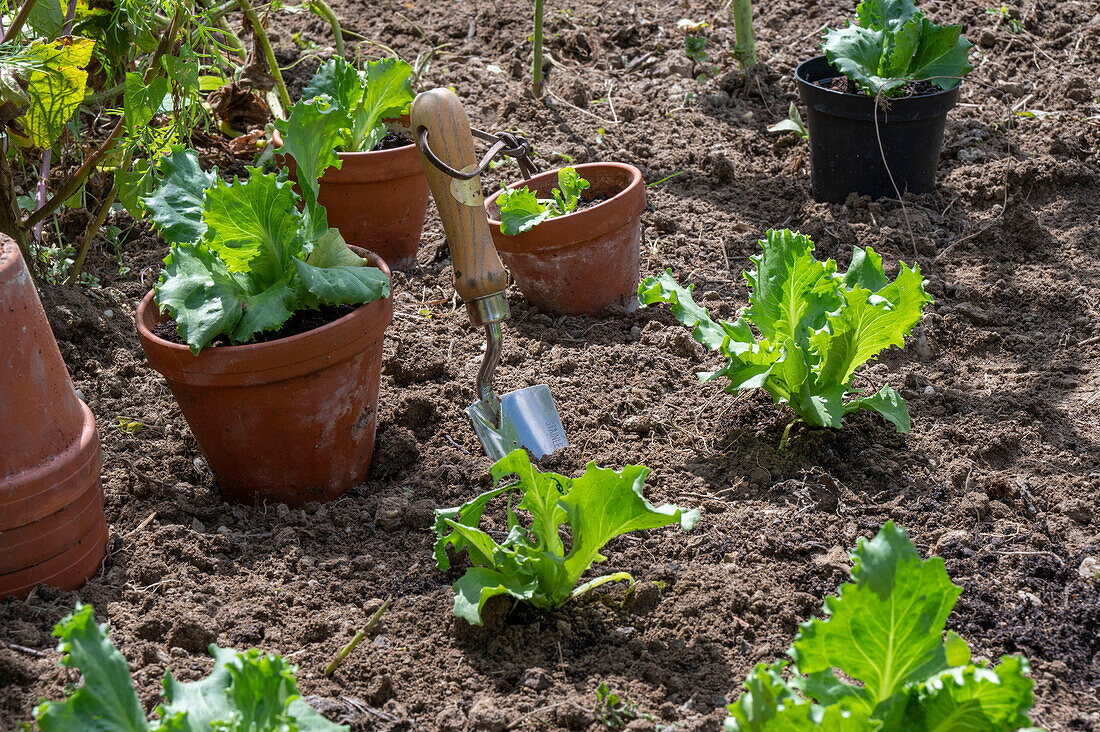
<point>290,420</point>
<point>377,200</point>
<point>585,262</point>
<point>52,527</point>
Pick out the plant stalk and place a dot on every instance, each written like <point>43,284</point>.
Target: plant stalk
<point>93,228</point>
<point>9,212</point>
<point>20,20</point>
<point>346,650</point>
<point>269,52</point>
<point>742,26</point>
<point>322,8</point>
<point>77,179</point>
<point>536,67</point>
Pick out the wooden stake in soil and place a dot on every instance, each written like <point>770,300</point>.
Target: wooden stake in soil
<point>346,650</point>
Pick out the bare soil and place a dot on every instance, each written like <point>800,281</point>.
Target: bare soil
<point>1000,474</point>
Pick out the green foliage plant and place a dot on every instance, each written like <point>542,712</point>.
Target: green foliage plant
<point>521,209</point>
<point>892,44</point>
<point>884,632</point>
<point>246,692</point>
<point>532,563</point>
<point>243,257</point>
<point>382,90</point>
<point>807,328</point>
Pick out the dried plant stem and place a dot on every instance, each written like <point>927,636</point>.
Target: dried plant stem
<point>269,52</point>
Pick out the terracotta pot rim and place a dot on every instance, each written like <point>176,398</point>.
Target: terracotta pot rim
<point>605,216</point>
<point>255,349</point>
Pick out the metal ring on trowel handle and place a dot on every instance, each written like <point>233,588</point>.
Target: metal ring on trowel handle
<point>504,143</point>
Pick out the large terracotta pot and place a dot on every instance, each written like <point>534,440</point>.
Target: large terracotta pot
<point>290,420</point>
<point>585,262</point>
<point>377,200</point>
<point>52,527</point>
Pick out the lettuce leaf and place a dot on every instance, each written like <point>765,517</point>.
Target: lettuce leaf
<point>243,258</point>
<point>816,328</point>
<point>381,91</point>
<point>885,631</point>
<point>245,691</point>
<point>532,563</point>
<point>892,44</point>
<point>521,209</point>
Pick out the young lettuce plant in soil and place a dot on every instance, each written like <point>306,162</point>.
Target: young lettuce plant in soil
<point>242,257</point>
<point>532,563</point>
<point>813,326</point>
<point>245,691</point>
<point>892,45</point>
<point>884,633</point>
<point>521,209</point>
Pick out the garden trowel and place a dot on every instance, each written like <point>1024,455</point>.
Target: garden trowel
<point>526,417</point>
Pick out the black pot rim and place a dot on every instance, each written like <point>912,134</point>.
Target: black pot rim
<point>800,75</point>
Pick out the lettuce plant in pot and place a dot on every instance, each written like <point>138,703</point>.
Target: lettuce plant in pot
<point>882,90</point>
<point>267,326</point>
<point>571,237</point>
<point>378,196</point>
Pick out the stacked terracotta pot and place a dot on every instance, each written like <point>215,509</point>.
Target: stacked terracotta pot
<point>52,527</point>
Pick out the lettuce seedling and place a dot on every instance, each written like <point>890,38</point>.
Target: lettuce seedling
<point>816,328</point>
<point>242,256</point>
<point>521,209</point>
<point>532,563</point>
<point>245,691</point>
<point>892,44</point>
<point>884,631</point>
<point>381,91</point>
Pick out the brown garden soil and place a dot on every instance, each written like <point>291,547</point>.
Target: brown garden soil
<point>999,475</point>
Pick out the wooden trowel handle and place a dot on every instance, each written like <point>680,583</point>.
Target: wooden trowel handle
<point>477,268</point>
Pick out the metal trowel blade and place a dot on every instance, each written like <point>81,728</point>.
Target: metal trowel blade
<point>528,418</point>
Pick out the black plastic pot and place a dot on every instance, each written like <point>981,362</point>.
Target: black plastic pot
<point>844,150</point>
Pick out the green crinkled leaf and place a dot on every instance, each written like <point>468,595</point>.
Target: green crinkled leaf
<point>568,193</point>
<point>55,86</point>
<point>262,686</point>
<point>603,504</point>
<point>520,210</point>
<point>339,81</point>
<point>311,133</point>
<point>887,402</point>
<point>529,564</point>
<point>884,631</point>
<point>344,284</point>
<point>176,204</point>
<point>974,699</point>
<point>866,270</point>
<point>711,334</point>
<point>265,310</point>
<point>107,702</point>
<point>386,95</point>
<point>791,290</point>
<point>885,628</point>
<point>942,55</point>
<point>330,250</point>
<point>200,292</point>
<point>253,226</point>
<point>868,323</point>
<point>141,100</point>
<point>893,44</point>
<point>479,584</point>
